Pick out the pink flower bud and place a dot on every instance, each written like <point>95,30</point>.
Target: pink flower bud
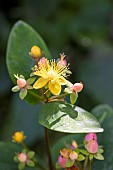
<point>42,62</point>
<point>62,161</point>
<point>77,87</point>
<point>73,155</point>
<point>22,157</point>
<point>90,136</point>
<point>92,146</point>
<point>21,82</point>
<point>62,63</point>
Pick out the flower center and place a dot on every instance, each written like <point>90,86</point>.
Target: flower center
<point>51,74</point>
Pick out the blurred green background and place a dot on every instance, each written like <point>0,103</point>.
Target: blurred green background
<point>83,30</point>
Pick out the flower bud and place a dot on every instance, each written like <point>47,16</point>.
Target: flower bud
<point>21,82</point>
<point>35,52</point>
<point>22,157</point>
<point>92,146</point>
<point>18,137</point>
<point>90,136</point>
<point>77,87</point>
<point>43,62</point>
<point>73,155</point>
<point>62,161</point>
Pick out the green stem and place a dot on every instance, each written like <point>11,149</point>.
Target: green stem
<point>48,149</point>
<point>90,165</point>
<point>60,96</point>
<point>85,163</point>
<point>24,146</point>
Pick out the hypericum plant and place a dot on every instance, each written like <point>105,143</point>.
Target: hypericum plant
<point>40,78</point>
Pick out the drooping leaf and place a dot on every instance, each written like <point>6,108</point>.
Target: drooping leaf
<point>63,117</point>
<point>21,39</point>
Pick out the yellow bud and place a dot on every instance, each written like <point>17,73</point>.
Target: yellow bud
<point>35,51</point>
<point>18,137</point>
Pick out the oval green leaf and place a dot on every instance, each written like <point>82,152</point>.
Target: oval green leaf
<point>64,117</point>
<point>21,39</point>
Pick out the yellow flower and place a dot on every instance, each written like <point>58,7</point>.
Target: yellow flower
<point>51,75</point>
<point>18,137</point>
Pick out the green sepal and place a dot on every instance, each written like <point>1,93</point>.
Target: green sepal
<point>15,158</point>
<point>100,150</point>
<point>30,163</point>
<point>15,89</point>
<point>31,154</point>
<point>29,87</point>
<point>31,80</point>
<point>80,157</point>
<point>73,97</point>
<point>23,93</point>
<point>91,156</point>
<point>21,166</point>
<point>98,156</point>
<point>57,166</point>
<point>69,163</point>
<point>67,90</point>
<point>83,151</point>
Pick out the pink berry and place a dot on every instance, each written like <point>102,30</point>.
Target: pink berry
<point>21,82</point>
<point>92,146</point>
<point>77,87</point>
<point>22,157</point>
<point>91,136</point>
<point>62,161</point>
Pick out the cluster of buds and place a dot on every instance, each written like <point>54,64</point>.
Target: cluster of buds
<point>25,158</point>
<point>70,157</point>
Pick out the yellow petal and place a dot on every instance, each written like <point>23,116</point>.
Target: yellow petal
<point>41,82</point>
<point>62,80</point>
<point>55,88</point>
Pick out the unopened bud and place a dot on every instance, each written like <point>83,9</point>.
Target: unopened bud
<point>73,155</point>
<point>22,157</point>
<point>92,146</point>
<point>18,137</point>
<point>35,52</point>
<point>90,136</point>
<point>77,87</point>
<point>43,62</point>
<point>21,82</point>
<point>62,161</point>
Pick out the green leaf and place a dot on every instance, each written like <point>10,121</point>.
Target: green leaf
<point>104,113</point>
<point>23,93</point>
<point>80,157</point>
<point>73,97</point>
<point>7,154</point>
<point>98,156</point>
<point>69,163</point>
<point>63,117</point>
<point>21,39</point>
